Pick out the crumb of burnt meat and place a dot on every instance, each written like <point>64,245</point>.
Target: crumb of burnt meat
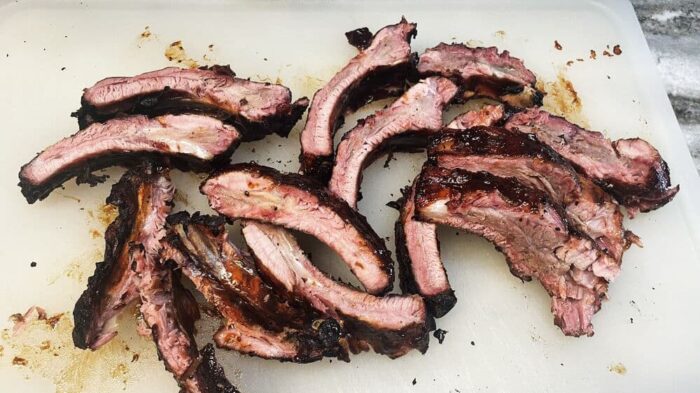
<point>414,381</point>
<point>32,264</point>
<point>593,54</point>
<point>18,361</point>
<point>632,320</point>
<point>359,38</point>
<point>440,335</point>
<point>394,205</point>
<point>606,53</point>
<point>617,50</point>
<point>473,343</point>
<point>570,62</point>
<point>63,68</point>
<point>557,45</point>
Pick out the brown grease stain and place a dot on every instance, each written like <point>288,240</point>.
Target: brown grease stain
<point>43,346</point>
<point>563,100</point>
<point>618,368</point>
<point>145,36</point>
<point>309,84</point>
<point>95,234</point>
<point>175,52</point>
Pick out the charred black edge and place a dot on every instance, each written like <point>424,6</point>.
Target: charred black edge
<point>438,305</point>
<point>124,197</point>
<point>167,101</point>
<point>209,375</point>
<point>314,188</point>
<point>83,170</point>
<point>316,167</point>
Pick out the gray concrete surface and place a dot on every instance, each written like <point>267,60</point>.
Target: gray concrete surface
<point>672,29</point>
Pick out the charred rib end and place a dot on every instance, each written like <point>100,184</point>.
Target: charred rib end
<point>440,304</point>
<point>316,167</point>
<point>297,110</point>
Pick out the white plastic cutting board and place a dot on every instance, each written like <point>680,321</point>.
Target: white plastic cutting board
<point>500,335</point>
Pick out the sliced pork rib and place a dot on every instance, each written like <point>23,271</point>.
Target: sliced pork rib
<point>630,169</point>
<point>391,325</point>
<point>487,115</point>
<point>387,54</point>
<point>418,252</point>
<point>528,229</point>
<point>257,319</point>
<point>417,113</point>
<point>520,156</point>
<point>172,330</point>
<point>255,192</point>
<point>141,196</point>
<point>256,108</point>
<point>483,72</point>
<point>192,140</point>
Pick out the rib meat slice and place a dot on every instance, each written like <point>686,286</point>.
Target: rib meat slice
<point>417,113</point>
<point>487,115</point>
<point>391,325</point>
<point>388,53</point>
<point>630,169</point>
<point>418,253</point>
<point>173,330</point>
<point>257,319</point>
<point>528,229</point>
<point>483,72</point>
<point>520,156</point>
<point>256,108</point>
<point>255,192</point>
<point>192,140</point>
<point>142,196</point>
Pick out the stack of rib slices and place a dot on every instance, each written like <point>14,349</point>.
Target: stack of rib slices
<point>547,193</point>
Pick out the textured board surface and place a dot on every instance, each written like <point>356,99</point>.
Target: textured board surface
<point>500,335</point>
